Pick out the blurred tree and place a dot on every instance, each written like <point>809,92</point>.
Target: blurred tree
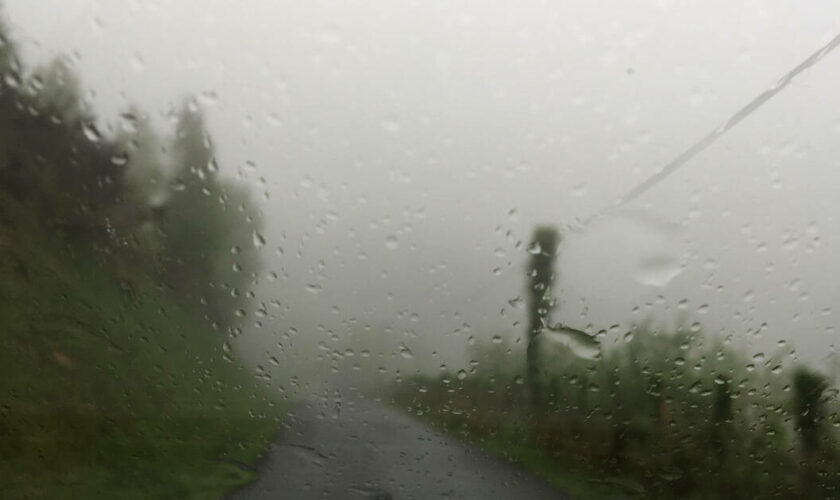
<point>211,237</point>
<point>721,418</point>
<point>145,204</point>
<point>541,276</point>
<point>809,409</point>
<point>56,89</point>
<point>9,64</point>
<point>808,388</point>
<point>140,149</point>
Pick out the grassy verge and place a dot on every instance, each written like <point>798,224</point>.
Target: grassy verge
<point>510,442</point>
<point>107,392</point>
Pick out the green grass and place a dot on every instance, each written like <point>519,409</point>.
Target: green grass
<point>646,421</point>
<point>577,483</point>
<point>511,444</point>
<point>106,393</point>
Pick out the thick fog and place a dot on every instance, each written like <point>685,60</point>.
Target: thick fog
<point>404,151</point>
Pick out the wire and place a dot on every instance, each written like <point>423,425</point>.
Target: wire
<point>750,108</point>
<point>698,147</point>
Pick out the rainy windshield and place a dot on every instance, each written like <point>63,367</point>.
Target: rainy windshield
<point>410,250</point>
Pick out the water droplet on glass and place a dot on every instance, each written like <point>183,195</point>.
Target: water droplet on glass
<point>259,240</point>
<point>405,352</point>
<point>177,185</point>
<point>91,132</point>
<point>128,122</point>
<point>579,191</point>
<point>580,343</point>
<point>390,125</point>
<point>658,270</point>
<point>119,159</point>
<point>391,242</point>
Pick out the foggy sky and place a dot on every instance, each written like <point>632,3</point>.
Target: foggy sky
<point>407,149</point>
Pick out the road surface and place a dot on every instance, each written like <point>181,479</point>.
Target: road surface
<point>364,450</point>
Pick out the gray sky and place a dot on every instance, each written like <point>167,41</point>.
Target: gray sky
<point>408,149</point>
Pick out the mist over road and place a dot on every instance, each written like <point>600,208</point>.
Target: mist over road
<point>361,449</point>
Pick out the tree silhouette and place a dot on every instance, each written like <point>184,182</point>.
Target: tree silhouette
<point>809,408</point>
<point>541,276</point>
<point>210,232</point>
<point>147,204</point>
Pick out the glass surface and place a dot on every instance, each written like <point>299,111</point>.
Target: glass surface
<point>400,249</point>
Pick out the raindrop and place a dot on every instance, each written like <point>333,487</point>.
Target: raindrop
<point>119,159</point>
<point>391,242</point>
<point>128,122</point>
<point>405,352</point>
<point>12,79</point>
<point>273,119</point>
<point>580,343</point>
<point>91,132</point>
<point>391,126</point>
<point>579,191</point>
<point>259,240</point>
<point>658,270</point>
<point>671,474</point>
<point>177,184</point>
<point>138,63</point>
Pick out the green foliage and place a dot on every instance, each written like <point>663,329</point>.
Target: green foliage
<point>111,247</point>
<point>209,229</point>
<point>150,204</point>
<point>110,393</point>
<point>809,407</point>
<point>665,414</point>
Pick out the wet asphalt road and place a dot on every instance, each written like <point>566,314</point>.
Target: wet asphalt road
<point>365,450</point>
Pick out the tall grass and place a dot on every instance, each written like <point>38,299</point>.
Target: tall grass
<point>660,415</point>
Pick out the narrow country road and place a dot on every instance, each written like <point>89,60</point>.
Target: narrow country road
<point>362,449</point>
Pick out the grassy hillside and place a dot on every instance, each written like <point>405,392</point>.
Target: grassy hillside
<point>108,388</point>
